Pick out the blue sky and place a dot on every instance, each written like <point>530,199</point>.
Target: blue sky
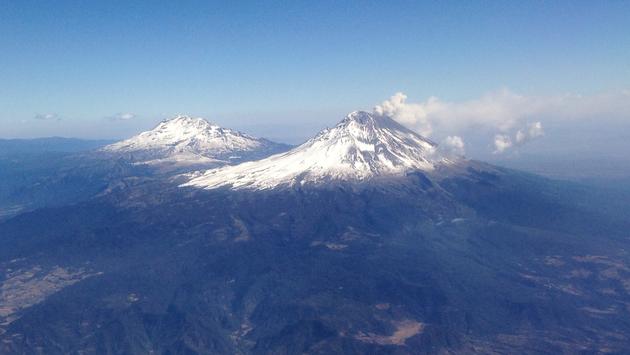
<point>265,66</point>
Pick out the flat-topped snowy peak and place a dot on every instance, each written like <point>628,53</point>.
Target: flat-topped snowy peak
<point>362,146</point>
<point>186,141</point>
<point>187,134</point>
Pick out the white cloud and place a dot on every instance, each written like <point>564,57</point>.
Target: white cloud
<point>409,114</point>
<point>125,116</point>
<point>503,112</point>
<point>501,143</point>
<point>533,131</point>
<point>454,145</point>
<point>47,117</point>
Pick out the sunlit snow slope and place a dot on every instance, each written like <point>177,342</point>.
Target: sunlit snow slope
<point>360,147</point>
<point>186,140</point>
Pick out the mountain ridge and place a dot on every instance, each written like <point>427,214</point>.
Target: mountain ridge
<point>187,141</point>
<point>361,147</point>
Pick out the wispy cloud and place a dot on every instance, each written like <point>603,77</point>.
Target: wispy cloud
<point>502,142</point>
<point>122,116</point>
<point>533,131</point>
<point>454,145</point>
<point>516,119</point>
<point>414,115</point>
<point>47,117</point>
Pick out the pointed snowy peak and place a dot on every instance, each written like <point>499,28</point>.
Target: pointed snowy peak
<point>375,139</point>
<point>188,141</point>
<point>362,146</point>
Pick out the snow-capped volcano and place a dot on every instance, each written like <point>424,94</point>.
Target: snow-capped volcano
<point>184,140</point>
<point>362,146</point>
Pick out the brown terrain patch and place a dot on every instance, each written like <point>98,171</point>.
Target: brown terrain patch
<point>554,261</point>
<point>243,232</point>
<point>24,288</point>
<point>335,246</point>
<point>405,329</point>
<point>596,311</point>
<point>548,283</point>
<point>331,246</point>
<point>615,269</point>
